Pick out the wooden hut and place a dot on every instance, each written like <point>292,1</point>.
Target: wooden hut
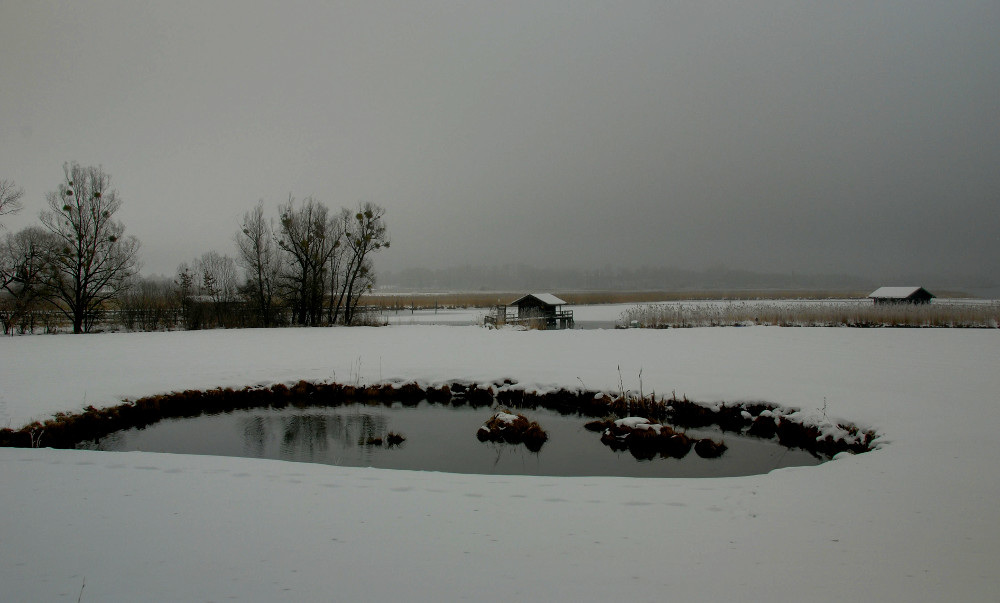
<point>901,295</point>
<point>535,309</point>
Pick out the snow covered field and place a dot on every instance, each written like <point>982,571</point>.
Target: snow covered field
<point>917,519</point>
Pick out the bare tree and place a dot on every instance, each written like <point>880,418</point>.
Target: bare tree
<point>335,264</point>
<point>186,288</point>
<point>93,261</point>
<point>309,238</point>
<point>220,284</point>
<point>364,282</point>
<point>24,260</point>
<point>10,197</point>
<point>261,262</point>
<point>148,304</point>
<point>365,234</point>
<point>219,280</point>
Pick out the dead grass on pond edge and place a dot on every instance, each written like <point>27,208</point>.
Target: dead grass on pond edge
<point>66,430</point>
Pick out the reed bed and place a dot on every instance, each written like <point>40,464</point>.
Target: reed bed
<point>825,314</point>
<point>453,300</point>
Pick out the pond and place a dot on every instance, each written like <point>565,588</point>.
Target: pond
<point>439,437</point>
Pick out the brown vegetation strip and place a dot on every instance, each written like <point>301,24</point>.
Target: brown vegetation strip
<point>425,301</point>
<point>862,315</point>
<point>67,430</point>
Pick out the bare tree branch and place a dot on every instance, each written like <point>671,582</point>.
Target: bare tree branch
<point>10,197</point>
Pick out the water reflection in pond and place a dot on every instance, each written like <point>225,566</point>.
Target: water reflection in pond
<point>438,438</point>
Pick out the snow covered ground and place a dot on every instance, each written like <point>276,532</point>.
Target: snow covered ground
<point>917,519</point>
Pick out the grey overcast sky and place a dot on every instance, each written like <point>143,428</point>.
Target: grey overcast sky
<point>817,137</point>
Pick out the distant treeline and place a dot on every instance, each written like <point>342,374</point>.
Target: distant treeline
<point>78,270</point>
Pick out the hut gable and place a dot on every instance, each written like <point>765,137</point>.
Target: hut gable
<point>901,295</point>
<point>537,300</point>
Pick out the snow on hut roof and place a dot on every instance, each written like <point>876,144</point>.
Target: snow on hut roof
<point>893,292</point>
<point>545,298</point>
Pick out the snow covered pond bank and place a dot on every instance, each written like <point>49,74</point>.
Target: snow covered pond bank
<point>914,520</point>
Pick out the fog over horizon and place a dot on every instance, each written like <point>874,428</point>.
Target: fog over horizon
<point>842,138</point>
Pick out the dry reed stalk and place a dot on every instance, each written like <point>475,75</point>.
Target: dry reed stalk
<point>849,314</point>
<point>474,299</point>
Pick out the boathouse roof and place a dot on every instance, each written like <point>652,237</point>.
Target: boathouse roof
<point>900,293</point>
<point>545,298</point>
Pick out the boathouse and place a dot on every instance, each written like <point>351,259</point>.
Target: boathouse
<point>541,310</point>
<point>901,295</point>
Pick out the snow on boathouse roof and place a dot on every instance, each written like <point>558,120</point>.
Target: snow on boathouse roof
<point>546,298</point>
<point>896,292</point>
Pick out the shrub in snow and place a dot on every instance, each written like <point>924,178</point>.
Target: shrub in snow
<point>707,449</point>
<point>645,440</point>
<point>763,427</point>
<point>512,428</point>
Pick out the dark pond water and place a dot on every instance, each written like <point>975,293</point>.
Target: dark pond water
<point>438,438</point>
